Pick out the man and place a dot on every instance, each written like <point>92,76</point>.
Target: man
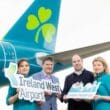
<point>46,74</point>
<point>79,75</point>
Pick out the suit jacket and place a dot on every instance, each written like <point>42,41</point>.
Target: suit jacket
<point>50,103</point>
<point>85,77</point>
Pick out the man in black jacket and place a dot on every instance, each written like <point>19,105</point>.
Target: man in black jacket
<point>79,75</point>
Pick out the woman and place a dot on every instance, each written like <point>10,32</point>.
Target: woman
<point>12,97</point>
<point>102,99</point>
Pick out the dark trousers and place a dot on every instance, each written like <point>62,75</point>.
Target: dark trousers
<point>79,105</point>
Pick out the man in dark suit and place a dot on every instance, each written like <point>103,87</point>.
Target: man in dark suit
<point>79,75</point>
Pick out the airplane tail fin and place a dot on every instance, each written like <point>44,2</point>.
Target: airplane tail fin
<point>34,32</point>
<point>37,27</point>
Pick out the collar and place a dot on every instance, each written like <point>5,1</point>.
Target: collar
<point>45,75</point>
<point>79,72</point>
<point>100,74</point>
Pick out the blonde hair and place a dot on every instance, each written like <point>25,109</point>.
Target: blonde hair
<point>103,61</point>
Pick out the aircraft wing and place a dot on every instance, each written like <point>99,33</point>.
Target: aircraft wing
<point>63,59</point>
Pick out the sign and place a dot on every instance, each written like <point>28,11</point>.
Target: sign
<point>79,91</point>
<point>29,88</point>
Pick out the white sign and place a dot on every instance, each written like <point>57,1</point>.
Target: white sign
<point>79,91</point>
<point>29,88</point>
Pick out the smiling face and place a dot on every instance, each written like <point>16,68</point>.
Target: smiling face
<point>23,67</point>
<point>98,67</point>
<point>48,67</point>
<point>77,62</point>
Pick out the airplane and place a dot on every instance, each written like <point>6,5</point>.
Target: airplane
<point>33,34</point>
<point>33,37</point>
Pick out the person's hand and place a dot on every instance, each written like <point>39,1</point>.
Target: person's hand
<point>58,95</point>
<point>97,97</point>
<point>64,97</point>
<point>48,93</point>
<point>17,90</point>
<point>40,102</point>
<point>77,83</point>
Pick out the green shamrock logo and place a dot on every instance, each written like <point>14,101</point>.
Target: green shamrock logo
<point>47,29</point>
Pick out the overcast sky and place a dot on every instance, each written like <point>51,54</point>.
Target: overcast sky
<point>81,23</point>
